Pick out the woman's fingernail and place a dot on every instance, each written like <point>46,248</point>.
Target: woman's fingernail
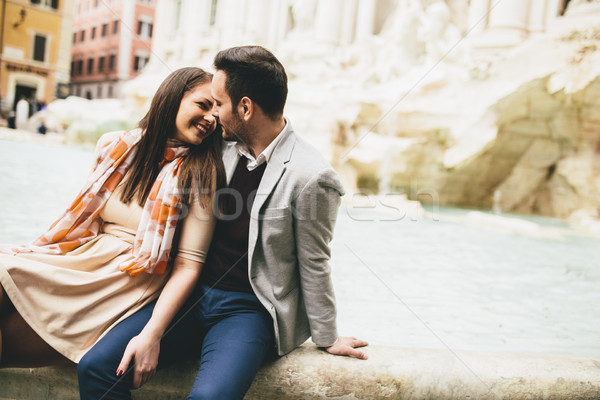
<point>119,372</point>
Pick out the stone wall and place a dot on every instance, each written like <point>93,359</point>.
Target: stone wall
<point>390,373</point>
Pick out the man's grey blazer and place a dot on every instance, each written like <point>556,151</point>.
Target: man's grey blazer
<point>291,224</point>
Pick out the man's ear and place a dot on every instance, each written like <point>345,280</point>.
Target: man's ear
<point>246,108</point>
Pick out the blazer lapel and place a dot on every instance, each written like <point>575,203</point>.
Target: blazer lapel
<point>273,172</point>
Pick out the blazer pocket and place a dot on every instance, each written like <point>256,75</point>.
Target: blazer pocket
<point>275,213</point>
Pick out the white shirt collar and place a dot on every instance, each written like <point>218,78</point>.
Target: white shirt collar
<point>265,156</point>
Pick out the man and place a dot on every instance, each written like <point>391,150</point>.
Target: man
<point>266,283</point>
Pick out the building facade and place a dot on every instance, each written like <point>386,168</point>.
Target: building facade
<point>111,44</point>
<point>35,51</point>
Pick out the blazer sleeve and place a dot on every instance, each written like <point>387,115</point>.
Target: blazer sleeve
<point>315,213</point>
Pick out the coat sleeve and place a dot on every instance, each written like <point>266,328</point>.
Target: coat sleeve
<point>315,212</point>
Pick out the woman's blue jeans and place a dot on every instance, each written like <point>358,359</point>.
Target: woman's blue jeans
<point>235,332</point>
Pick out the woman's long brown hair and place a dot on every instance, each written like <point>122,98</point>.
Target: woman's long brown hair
<point>202,168</point>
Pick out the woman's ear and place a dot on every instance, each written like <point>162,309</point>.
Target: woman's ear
<point>246,108</point>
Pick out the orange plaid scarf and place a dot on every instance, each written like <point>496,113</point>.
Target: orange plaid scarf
<point>81,223</point>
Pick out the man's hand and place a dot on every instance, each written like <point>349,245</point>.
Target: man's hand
<point>346,346</point>
<point>143,350</point>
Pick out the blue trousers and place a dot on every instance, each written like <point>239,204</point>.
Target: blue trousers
<point>235,332</point>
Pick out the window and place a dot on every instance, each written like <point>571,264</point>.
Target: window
<point>144,29</point>
<point>90,65</point>
<point>111,62</point>
<point>101,64</point>
<point>99,94</point>
<point>82,35</point>
<point>93,34</point>
<point>116,27</point>
<point>48,3</point>
<point>110,91</point>
<point>78,91</point>
<point>39,48</point>
<point>104,29</point>
<point>72,68</point>
<point>139,62</point>
<point>74,37</point>
<point>79,67</point>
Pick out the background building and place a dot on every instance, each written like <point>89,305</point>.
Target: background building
<point>111,44</point>
<point>34,51</point>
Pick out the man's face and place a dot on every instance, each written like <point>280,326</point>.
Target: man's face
<point>225,111</point>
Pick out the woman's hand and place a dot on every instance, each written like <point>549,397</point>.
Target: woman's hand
<point>346,346</point>
<point>143,350</point>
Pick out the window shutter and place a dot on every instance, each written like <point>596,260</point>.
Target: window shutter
<point>39,48</point>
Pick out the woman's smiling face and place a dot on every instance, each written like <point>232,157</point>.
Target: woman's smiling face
<point>194,120</point>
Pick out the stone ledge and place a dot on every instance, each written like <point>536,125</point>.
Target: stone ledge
<point>390,373</point>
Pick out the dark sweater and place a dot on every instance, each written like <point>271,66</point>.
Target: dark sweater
<point>226,266</point>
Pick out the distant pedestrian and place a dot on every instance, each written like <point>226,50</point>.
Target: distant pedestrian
<point>42,129</point>
<point>22,113</point>
<point>11,119</point>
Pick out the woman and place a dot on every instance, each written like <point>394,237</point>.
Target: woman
<point>109,255</point>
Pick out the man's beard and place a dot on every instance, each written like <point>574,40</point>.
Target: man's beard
<point>236,132</point>
<point>228,137</point>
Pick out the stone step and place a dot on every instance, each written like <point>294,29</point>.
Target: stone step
<point>390,373</point>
